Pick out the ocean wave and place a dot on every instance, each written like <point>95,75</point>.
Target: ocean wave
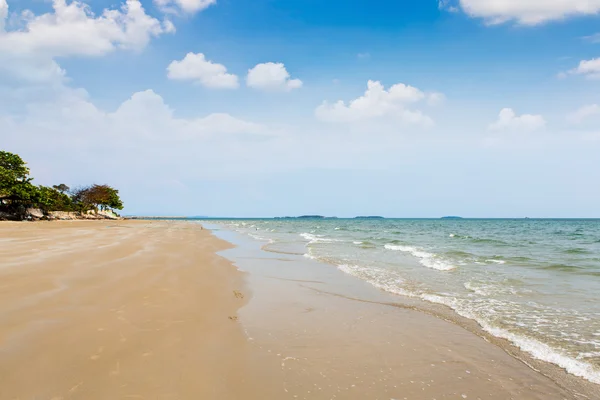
<point>426,259</point>
<point>312,238</point>
<point>262,239</point>
<point>488,289</point>
<point>495,261</point>
<point>577,250</point>
<point>534,347</point>
<point>380,278</point>
<point>562,267</point>
<point>457,236</point>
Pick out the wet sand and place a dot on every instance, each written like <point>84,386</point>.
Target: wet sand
<point>147,310</point>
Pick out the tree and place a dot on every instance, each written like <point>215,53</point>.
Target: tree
<point>51,199</point>
<point>62,188</point>
<point>13,174</point>
<point>95,196</point>
<point>17,193</point>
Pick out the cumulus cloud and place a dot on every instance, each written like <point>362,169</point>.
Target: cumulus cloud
<point>509,120</point>
<point>271,76</point>
<point>187,6</point>
<point>146,113</point>
<point>195,67</point>
<point>3,14</point>
<point>69,121</point>
<point>588,68</point>
<point>529,12</point>
<point>377,102</point>
<point>73,30</point>
<point>584,113</point>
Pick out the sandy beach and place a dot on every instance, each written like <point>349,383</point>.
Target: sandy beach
<point>121,310</point>
<point>148,310</point>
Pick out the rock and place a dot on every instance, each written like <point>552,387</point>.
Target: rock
<point>107,215</point>
<point>35,213</point>
<point>63,215</point>
<point>5,216</point>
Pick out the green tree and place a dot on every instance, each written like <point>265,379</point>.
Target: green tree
<point>13,174</point>
<point>97,196</point>
<point>62,188</point>
<point>51,199</point>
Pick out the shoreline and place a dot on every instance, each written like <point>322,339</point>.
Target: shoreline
<point>575,387</point>
<point>166,309</point>
<point>553,370</point>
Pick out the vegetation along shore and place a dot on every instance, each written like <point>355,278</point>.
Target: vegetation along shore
<point>20,199</point>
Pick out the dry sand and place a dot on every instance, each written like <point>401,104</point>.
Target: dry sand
<point>121,310</point>
<point>147,310</point>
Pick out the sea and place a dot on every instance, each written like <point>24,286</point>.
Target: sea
<point>534,282</point>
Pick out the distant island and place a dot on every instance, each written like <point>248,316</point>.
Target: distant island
<point>369,217</point>
<point>307,217</point>
<point>452,217</point>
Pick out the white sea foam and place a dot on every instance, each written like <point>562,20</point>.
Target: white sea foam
<point>496,261</point>
<point>357,242</point>
<point>378,277</point>
<point>537,349</point>
<point>489,289</point>
<point>316,238</point>
<point>426,259</point>
<point>262,239</point>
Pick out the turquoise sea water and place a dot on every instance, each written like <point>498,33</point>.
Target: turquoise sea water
<point>533,282</point>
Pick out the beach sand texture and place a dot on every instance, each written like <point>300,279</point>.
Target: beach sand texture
<point>147,310</point>
<point>120,310</point>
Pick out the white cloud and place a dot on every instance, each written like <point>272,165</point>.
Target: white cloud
<point>3,14</point>
<point>196,67</point>
<point>588,68</point>
<point>143,123</point>
<point>509,120</point>
<point>187,6</point>
<point>527,12</point>
<point>271,76</point>
<point>28,54</point>
<point>446,5</point>
<point>583,113</point>
<point>146,113</point>
<point>377,102</point>
<point>435,99</point>
<point>595,38</point>
<point>73,30</point>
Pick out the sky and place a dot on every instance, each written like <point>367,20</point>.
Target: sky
<point>406,108</point>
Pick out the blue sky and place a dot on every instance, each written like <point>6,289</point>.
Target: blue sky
<point>229,108</point>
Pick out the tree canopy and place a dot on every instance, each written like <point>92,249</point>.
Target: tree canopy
<point>14,175</point>
<point>95,196</point>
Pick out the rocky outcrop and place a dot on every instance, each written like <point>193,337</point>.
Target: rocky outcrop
<point>34,213</point>
<point>67,216</point>
<point>63,215</point>
<point>6,216</point>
